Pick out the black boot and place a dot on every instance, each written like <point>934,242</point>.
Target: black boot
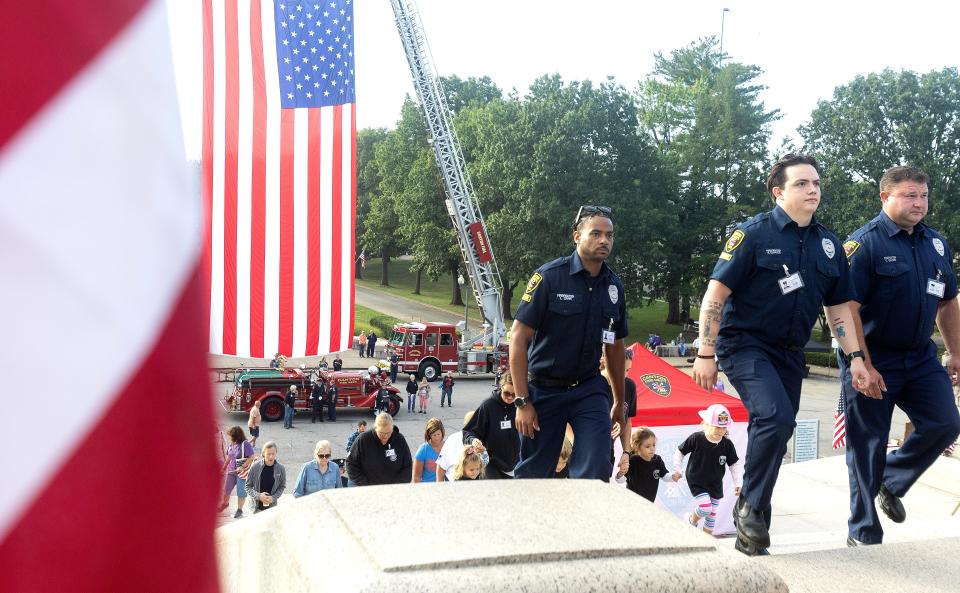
<point>749,549</point>
<point>751,525</point>
<point>891,506</point>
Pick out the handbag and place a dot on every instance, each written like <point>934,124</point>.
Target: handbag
<point>242,472</point>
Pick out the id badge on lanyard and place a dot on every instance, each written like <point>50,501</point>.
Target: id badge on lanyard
<point>790,282</point>
<point>935,287</point>
<point>609,337</point>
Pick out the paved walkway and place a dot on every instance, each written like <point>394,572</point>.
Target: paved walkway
<point>402,308</point>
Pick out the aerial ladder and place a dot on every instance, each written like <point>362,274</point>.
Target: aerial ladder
<point>461,202</point>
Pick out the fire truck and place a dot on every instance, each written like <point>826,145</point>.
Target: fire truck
<point>355,389</point>
<point>431,348</point>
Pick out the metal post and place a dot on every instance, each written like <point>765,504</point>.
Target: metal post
<point>723,18</point>
<point>462,284</point>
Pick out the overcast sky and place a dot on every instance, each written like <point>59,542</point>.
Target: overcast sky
<point>805,49</point>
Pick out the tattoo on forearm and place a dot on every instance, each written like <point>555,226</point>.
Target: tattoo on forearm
<point>710,314</point>
<point>838,326</point>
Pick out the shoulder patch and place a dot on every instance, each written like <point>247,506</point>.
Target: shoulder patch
<point>734,241</point>
<point>938,245</point>
<point>828,247</point>
<point>850,247</point>
<point>533,283</point>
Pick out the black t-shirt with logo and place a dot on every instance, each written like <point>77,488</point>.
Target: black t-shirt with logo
<point>644,476</point>
<point>708,463</point>
<point>629,397</point>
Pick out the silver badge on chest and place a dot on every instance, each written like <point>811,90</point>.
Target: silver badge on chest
<point>938,245</point>
<point>828,248</point>
<point>614,294</point>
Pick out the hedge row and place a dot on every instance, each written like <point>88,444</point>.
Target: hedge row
<point>384,323</point>
<point>822,359</point>
<point>829,359</point>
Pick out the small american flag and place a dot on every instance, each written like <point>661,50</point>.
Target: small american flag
<point>839,425</point>
<point>363,259</point>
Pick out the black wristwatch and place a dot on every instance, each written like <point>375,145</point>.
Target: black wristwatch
<point>520,401</point>
<point>855,354</point>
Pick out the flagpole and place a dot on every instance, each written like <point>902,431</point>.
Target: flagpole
<point>723,18</point>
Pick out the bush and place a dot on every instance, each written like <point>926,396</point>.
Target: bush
<point>822,359</point>
<point>384,324</point>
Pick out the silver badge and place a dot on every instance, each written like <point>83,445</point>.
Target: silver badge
<point>938,245</point>
<point>614,294</point>
<point>828,248</point>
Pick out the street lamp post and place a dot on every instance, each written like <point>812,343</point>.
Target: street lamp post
<point>462,283</point>
<point>723,18</point>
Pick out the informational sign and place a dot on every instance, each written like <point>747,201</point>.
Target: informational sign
<point>481,242</point>
<point>804,445</point>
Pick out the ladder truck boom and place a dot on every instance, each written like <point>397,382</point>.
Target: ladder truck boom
<point>461,201</point>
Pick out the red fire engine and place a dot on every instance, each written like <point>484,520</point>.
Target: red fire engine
<point>432,348</point>
<point>355,389</point>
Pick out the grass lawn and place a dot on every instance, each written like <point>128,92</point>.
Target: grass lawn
<point>362,316</point>
<point>641,320</point>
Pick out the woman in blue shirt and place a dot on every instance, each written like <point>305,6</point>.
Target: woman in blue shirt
<point>425,461</point>
<point>319,474</point>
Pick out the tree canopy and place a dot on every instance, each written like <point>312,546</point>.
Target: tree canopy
<point>680,159</point>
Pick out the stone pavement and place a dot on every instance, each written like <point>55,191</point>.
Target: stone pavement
<point>811,507</point>
<point>493,535</point>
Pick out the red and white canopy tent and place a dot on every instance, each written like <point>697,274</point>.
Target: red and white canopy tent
<point>667,402</point>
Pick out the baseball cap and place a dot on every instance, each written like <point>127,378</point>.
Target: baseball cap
<point>716,415</point>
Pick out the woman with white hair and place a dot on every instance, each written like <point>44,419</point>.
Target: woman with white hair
<point>380,456</point>
<point>267,479</point>
<point>319,473</point>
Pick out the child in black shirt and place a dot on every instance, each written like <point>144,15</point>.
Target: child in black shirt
<point>711,454</point>
<point>646,467</point>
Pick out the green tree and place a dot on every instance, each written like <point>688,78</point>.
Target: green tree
<point>410,176</point>
<point>536,160</point>
<point>368,182</point>
<point>704,115</point>
<point>881,120</point>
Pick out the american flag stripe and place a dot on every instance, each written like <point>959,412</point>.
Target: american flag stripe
<point>231,124</point>
<point>258,174</point>
<point>279,185</point>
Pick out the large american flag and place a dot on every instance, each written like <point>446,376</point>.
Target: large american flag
<point>279,145</point>
<point>840,424</point>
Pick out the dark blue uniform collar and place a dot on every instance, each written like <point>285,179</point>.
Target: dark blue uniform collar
<point>576,265</point>
<point>782,219</point>
<point>891,227</point>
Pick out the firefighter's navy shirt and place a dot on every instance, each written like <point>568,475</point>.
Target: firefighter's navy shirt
<point>890,270</point>
<point>761,252</point>
<point>569,310</point>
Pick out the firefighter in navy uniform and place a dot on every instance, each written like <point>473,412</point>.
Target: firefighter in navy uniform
<point>775,273</point>
<point>904,282</point>
<point>573,309</point>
